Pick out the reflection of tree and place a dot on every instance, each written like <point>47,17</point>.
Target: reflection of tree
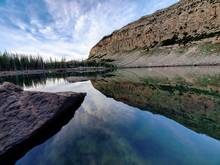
<point>40,79</point>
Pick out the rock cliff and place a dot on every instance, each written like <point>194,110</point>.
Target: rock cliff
<point>182,29</point>
<point>29,118</point>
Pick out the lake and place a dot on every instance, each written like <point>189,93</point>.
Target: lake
<point>134,116</point>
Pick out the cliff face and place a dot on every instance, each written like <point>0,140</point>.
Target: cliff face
<point>188,21</point>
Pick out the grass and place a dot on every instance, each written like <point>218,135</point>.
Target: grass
<point>208,80</point>
<point>154,51</point>
<point>210,48</point>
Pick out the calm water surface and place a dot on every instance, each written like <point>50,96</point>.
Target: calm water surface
<point>136,116</point>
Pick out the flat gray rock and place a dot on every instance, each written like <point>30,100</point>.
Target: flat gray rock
<point>26,117</point>
<point>74,79</point>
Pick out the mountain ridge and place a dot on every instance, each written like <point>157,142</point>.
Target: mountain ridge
<point>185,25</point>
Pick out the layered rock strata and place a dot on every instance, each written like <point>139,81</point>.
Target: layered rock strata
<point>188,21</point>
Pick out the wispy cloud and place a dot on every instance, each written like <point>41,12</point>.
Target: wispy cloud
<point>66,28</point>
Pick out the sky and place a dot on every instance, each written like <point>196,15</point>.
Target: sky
<point>66,28</point>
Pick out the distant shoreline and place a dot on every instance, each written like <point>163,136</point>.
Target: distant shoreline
<point>170,66</point>
<point>91,69</point>
<point>45,71</point>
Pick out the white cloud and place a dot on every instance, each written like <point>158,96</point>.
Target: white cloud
<point>75,25</point>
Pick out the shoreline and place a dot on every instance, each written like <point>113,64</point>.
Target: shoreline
<point>46,71</point>
<point>94,69</point>
<point>171,66</point>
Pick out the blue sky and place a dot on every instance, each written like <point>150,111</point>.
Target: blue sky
<point>66,28</point>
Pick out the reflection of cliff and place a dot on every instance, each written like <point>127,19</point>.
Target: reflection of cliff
<point>104,131</point>
<point>192,100</point>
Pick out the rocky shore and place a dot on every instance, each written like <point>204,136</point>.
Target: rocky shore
<point>29,118</point>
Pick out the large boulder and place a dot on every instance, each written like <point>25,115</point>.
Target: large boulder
<point>29,118</point>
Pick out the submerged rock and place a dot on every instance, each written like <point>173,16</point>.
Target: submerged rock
<point>29,118</point>
<point>74,79</point>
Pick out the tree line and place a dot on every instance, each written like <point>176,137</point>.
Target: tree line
<point>13,62</point>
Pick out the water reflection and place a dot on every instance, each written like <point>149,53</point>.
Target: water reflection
<point>123,119</point>
<point>190,96</point>
<point>105,131</point>
<point>42,79</point>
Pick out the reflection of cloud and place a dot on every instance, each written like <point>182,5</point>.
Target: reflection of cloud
<point>66,27</point>
<point>120,133</point>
